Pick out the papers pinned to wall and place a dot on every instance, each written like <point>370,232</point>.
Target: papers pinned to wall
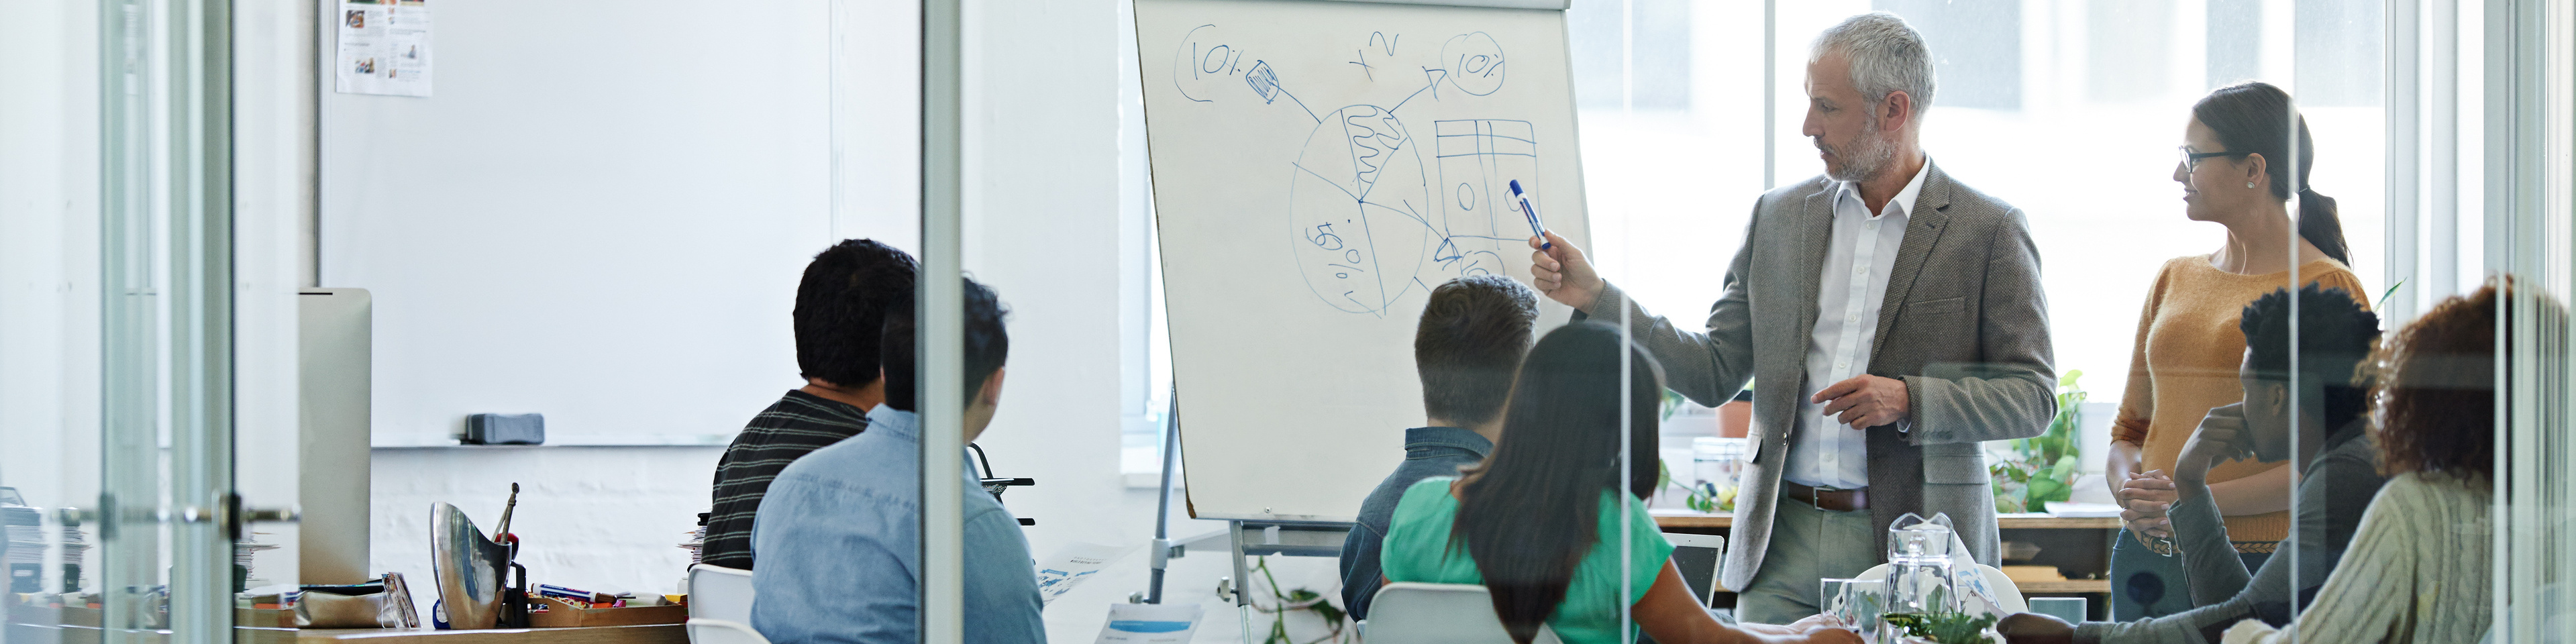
<point>384,47</point>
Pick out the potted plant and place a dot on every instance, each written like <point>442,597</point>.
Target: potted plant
<point>2042,468</point>
<point>1705,496</point>
<point>1946,627</point>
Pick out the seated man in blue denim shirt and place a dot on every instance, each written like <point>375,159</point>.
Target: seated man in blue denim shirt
<point>839,533</point>
<point>1467,349</point>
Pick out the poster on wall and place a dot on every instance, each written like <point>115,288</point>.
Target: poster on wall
<point>384,47</point>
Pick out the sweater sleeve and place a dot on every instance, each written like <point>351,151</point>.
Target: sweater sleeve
<point>2372,592</point>
<point>2223,599</point>
<point>2138,403</point>
<point>2213,567</point>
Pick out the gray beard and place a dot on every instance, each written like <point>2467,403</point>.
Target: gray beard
<point>1866,158</point>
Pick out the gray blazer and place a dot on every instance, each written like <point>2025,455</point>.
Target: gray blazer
<point>1964,324</point>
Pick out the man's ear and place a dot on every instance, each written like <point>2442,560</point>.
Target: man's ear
<point>1895,112</point>
<point>991,394</point>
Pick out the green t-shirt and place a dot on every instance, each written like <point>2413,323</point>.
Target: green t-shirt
<point>1417,549</point>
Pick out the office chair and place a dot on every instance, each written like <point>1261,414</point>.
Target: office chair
<point>1417,613</point>
<point>723,596</point>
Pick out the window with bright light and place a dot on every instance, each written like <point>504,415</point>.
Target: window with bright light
<point>2069,110</point>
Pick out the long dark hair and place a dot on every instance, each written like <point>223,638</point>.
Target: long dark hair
<point>2254,117</point>
<point>1530,512</point>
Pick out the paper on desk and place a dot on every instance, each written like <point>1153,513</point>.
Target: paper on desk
<point>1150,623</point>
<point>1060,572</point>
<point>2066,509</point>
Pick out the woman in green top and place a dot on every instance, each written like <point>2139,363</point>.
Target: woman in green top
<point>1540,524</point>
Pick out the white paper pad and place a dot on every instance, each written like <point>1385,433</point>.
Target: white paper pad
<point>1150,623</point>
<point>1060,572</point>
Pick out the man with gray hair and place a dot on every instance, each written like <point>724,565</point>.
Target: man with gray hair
<point>1891,315</point>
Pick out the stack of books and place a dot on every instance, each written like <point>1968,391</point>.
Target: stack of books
<point>244,551</point>
<point>26,546</point>
<point>697,543</point>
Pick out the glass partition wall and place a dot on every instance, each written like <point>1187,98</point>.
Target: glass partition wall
<point>49,313</point>
<point>117,443</point>
<point>2049,132</point>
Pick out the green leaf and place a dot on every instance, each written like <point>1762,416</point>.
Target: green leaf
<point>1330,612</point>
<point>2043,490</point>
<point>1944,628</point>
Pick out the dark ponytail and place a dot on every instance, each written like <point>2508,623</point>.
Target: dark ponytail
<point>2255,117</point>
<point>2320,224</point>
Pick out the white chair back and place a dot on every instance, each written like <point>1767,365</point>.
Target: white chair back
<point>2006,593</point>
<point>717,631</point>
<point>1417,613</point>
<point>720,594</point>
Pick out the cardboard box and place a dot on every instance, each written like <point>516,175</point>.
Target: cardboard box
<point>264,617</point>
<point>561,614</point>
<point>2032,573</point>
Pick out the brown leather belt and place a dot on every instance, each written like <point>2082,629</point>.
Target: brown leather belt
<point>1827,498</point>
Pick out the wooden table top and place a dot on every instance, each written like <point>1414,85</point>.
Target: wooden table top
<point>1669,519</point>
<point>643,634</point>
<point>646,634</point>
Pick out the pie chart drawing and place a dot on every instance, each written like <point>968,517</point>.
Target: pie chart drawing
<point>1359,205</point>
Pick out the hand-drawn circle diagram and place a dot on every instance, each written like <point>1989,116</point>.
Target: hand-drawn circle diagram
<point>1475,62</point>
<point>1361,205</point>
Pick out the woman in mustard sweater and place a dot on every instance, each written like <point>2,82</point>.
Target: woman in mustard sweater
<point>2236,171</point>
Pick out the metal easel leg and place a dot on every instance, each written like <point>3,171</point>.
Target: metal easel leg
<point>1162,553</point>
<point>1242,579</point>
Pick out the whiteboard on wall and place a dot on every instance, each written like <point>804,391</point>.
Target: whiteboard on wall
<point>601,216</point>
<point>1318,167</point>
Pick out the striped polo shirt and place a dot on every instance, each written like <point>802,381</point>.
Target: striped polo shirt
<point>800,422</point>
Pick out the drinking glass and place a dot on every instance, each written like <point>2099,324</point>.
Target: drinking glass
<point>1857,604</point>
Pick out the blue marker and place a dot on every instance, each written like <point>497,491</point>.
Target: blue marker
<point>1535,228</point>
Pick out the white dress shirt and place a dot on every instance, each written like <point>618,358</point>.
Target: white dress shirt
<point>1822,452</point>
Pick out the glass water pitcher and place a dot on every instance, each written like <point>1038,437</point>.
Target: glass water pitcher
<point>1919,568</point>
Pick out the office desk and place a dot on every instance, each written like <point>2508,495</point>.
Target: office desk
<point>2080,548</point>
<point>643,634</point>
<point>647,634</point>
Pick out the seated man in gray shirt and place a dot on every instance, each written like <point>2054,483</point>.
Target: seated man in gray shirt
<point>1467,349</point>
<point>2335,487</point>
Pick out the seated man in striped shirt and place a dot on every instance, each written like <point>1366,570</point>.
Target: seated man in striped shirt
<point>840,318</point>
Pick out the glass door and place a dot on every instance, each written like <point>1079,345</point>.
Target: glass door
<point>116,360</point>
